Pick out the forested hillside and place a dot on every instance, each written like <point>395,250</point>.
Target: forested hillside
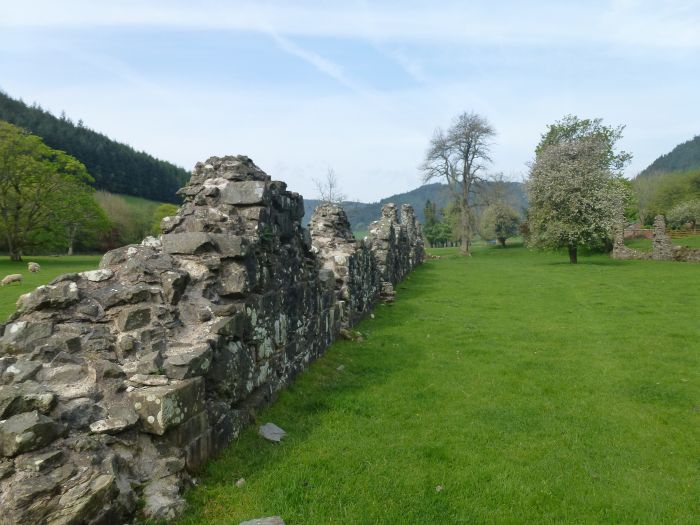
<point>670,185</point>
<point>362,214</point>
<point>683,157</point>
<point>116,167</point>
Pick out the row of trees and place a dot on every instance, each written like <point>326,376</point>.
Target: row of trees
<point>498,221</point>
<point>575,188</point>
<point>47,204</point>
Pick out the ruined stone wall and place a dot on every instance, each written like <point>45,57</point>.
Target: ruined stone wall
<point>397,246</point>
<point>622,252</point>
<point>353,266</point>
<point>414,234</point>
<point>115,383</point>
<point>663,248</point>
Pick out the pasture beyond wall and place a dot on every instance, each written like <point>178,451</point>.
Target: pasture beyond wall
<point>117,383</point>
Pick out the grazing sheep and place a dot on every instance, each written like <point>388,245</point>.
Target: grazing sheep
<point>34,267</point>
<point>12,278</point>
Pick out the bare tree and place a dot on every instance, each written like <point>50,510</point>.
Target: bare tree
<point>459,156</point>
<point>329,189</point>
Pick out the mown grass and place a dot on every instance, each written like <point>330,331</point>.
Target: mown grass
<point>51,267</point>
<point>528,389</point>
<point>645,244</point>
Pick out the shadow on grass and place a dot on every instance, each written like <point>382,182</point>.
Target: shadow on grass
<point>591,262</point>
<point>337,382</point>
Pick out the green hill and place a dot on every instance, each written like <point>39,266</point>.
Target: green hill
<point>116,167</point>
<point>684,157</point>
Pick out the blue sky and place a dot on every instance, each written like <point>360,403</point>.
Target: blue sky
<point>356,86</point>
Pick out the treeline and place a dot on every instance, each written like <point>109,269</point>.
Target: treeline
<point>494,215</point>
<point>115,167</point>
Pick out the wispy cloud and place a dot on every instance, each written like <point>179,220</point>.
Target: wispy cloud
<point>324,65</point>
<point>668,24</point>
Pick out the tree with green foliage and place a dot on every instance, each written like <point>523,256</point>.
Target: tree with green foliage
<point>77,223</point>
<point>499,221</point>
<point>644,189</point>
<point>430,231</point>
<point>459,157</point>
<point>34,179</point>
<point>684,213</point>
<point>82,220</point>
<point>162,211</point>
<point>430,213</point>
<point>575,189</point>
<point>439,227</point>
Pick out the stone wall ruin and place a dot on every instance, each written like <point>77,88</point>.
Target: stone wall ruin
<point>118,382</point>
<point>663,248</point>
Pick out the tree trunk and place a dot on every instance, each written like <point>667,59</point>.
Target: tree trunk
<point>573,255</point>
<point>502,240</point>
<point>464,234</point>
<point>71,240</point>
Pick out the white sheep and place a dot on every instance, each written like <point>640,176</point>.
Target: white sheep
<point>12,278</point>
<point>34,267</point>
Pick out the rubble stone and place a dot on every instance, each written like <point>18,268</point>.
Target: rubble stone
<point>25,397</point>
<point>162,407</point>
<point>142,370</point>
<point>25,432</point>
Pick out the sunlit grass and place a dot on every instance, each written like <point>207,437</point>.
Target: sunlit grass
<point>529,389</point>
<point>51,267</point>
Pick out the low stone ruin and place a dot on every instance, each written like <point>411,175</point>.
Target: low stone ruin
<point>663,248</point>
<point>117,383</point>
<point>397,246</point>
<point>349,262</point>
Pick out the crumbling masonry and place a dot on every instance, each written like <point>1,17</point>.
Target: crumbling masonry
<point>662,246</point>
<point>118,382</point>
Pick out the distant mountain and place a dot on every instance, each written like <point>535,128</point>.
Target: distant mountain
<point>683,157</point>
<point>362,214</point>
<point>116,167</point>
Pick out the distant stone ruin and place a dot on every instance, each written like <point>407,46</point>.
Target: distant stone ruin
<point>662,246</point>
<point>117,383</point>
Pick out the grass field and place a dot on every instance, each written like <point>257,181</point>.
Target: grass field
<point>645,244</point>
<point>510,387</point>
<point>51,267</point>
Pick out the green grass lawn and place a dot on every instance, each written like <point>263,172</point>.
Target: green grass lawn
<point>645,244</point>
<point>528,389</point>
<point>51,267</point>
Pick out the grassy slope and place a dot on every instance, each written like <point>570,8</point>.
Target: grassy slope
<point>532,390</point>
<point>142,210</point>
<point>645,244</point>
<point>51,267</point>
